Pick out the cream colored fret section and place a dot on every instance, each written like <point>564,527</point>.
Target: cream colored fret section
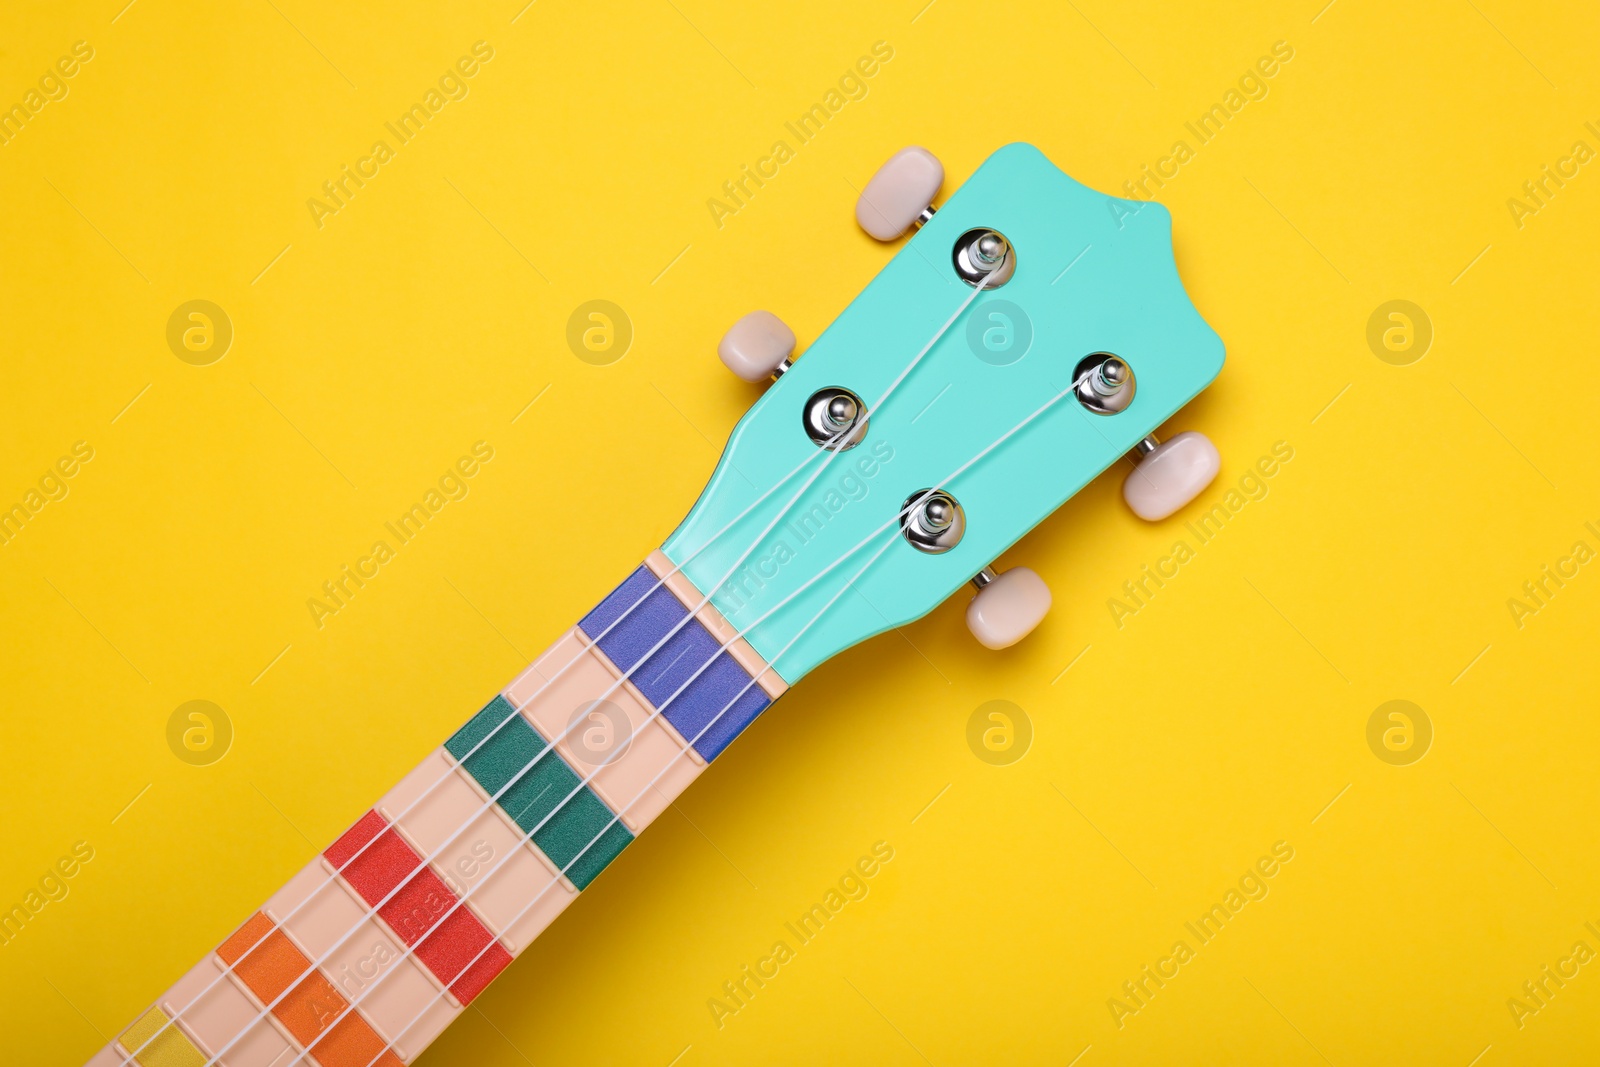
<point>511,885</point>
<point>398,995</point>
<point>210,1012</point>
<point>220,1014</point>
<point>606,730</point>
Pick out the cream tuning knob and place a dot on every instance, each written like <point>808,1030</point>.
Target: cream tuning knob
<point>1170,474</point>
<point>757,347</point>
<point>1008,607</point>
<point>900,193</point>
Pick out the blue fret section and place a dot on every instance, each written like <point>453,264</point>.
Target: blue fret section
<point>719,701</point>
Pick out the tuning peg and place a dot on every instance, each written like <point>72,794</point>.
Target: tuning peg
<point>757,347</point>
<point>1170,474</point>
<point>1008,606</point>
<point>900,193</point>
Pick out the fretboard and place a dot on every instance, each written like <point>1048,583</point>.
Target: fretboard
<point>381,941</point>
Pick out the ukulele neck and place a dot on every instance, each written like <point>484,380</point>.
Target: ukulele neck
<point>376,946</point>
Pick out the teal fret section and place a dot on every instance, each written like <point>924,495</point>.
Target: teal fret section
<point>568,835</point>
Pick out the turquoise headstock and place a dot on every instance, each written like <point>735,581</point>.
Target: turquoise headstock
<point>1092,274</point>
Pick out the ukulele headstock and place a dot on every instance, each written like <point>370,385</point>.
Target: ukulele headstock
<point>1060,348</point>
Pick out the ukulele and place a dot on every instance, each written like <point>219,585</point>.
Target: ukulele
<point>1030,333</point>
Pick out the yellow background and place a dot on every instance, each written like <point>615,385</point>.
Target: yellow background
<point>1223,717</point>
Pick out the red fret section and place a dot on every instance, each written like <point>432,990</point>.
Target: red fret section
<point>267,963</point>
<point>446,948</point>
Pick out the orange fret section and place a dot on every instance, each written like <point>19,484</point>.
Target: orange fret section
<point>273,964</point>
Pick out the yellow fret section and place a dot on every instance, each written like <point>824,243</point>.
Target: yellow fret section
<point>170,1047</point>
